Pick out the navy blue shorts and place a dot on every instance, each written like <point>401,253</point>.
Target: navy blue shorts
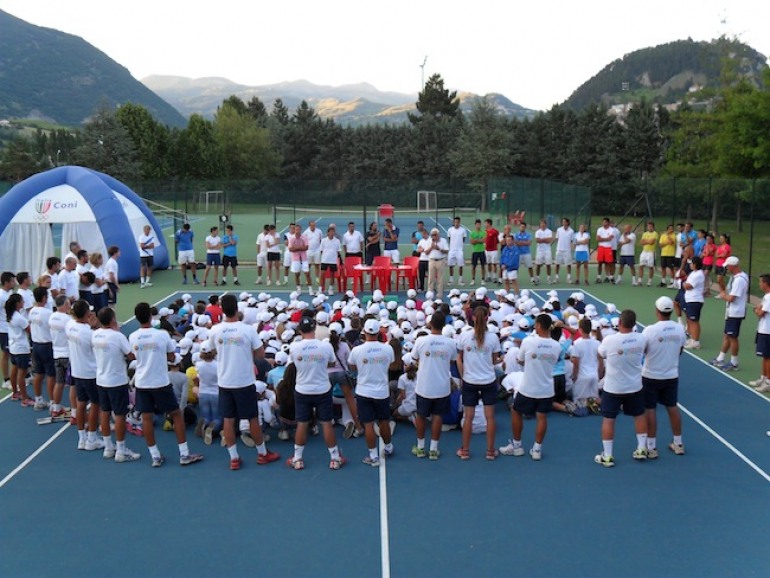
<point>113,399</point>
<point>158,400</point>
<point>228,261</point>
<point>660,391</point>
<point>627,260</point>
<point>4,342</point>
<point>62,366</point>
<point>427,406</point>
<point>21,360</point>
<point>763,345</point>
<point>693,310</point>
<point>112,293</point>
<point>147,261</point>
<point>721,270</point>
<point>478,258</point>
<point>322,403</point>
<point>85,389</point>
<point>679,298</point>
<point>530,405</point>
<point>42,359</point>
<point>733,326</point>
<point>472,393</point>
<point>370,409</point>
<point>213,259</point>
<point>631,403</point>
<point>240,403</point>
<point>559,388</point>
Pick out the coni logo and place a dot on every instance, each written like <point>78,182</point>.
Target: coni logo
<point>42,206</point>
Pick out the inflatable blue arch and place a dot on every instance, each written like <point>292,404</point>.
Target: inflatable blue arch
<point>98,192</point>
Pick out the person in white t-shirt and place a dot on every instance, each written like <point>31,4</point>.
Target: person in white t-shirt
<point>42,347</point>
<point>585,364</point>
<point>146,255</point>
<point>538,353</point>
<point>565,239</point>
<point>329,254</point>
<point>582,252</point>
<point>153,349</point>
<point>237,345</point>
<point>605,254</point>
<point>660,375</point>
<point>694,296</point>
<point>371,360</point>
<point>111,272</point>
<point>627,244</point>
<point>83,371</point>
<point>353,241</point>
<point>622,355</point>
<point>313,392</point>
<point>433,354</point>
<point>18,347</point>
<point>735,296</point>
<point>437,249</point>
<point>57,324</point>
<point>273,244</point>
<point>457,235</point>
<point>111,350</point>
<point>406,402</point>
<point>478,353</point>
<point>762,311</point>
<point>213,244</point>
<point>261,253</point>
<point>313,237</point>
<point>543,240</point>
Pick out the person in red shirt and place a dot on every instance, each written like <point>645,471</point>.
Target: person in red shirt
<point>491,244</point>
<point>214,309</point>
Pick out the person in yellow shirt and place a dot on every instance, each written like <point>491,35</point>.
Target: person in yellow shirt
<point>647,257</point>
<point>667,254</point>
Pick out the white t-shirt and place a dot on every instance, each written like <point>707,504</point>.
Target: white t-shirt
<point>110,350</point>
<point>407,386</point>
<point>40,329</point>
<point>235,343</point>
<point>582,248</point>
<point>27,298</point>
<point>146,239</point>
<point>273,243</point>
<point>262,243</point>
<point>543,234</point>
<point>434,354</point>
<point>478,368</point>
<point>628,249</point>
<point>207,377</point>
<point>763,325</point>
<point>697,280</point>
<point>564,238</point>
<point>511,361</point>
<point>623,353</point>
<point>330,249</point>
<point>665,340</point>
<point>82,360</point>
<point>425,245</point>
<point>111,270</point>
<point>738,287</point>
<point>372,360</point>
<point>3,318</point>
<point>98,274</point>
<point>18,343</point>
<point>312,359</point>
<point>151,348</point>
<point>457,236</point>
<point>539,356</point>
<point>58,325</point>
<point>313,239</point>
<point>603,236</point>
<point>353,241</point>
<point>214,241</point>
<point>69,282</point>
<point>585,350</point>
<point>440,251</point>
<point>615,237</point>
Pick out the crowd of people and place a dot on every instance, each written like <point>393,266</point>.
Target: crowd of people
<point>237,365</point>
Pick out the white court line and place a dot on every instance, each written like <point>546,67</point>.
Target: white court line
<point>384,530</point>
<point>169,296</point>
<point>33,455</point>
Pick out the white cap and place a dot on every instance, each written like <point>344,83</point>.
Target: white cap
<point>186,297</point>
<point>185,344</point>
<point>410,304</point>
<point>553,293</point>
<point>611,308</point>
<point>448,331</point>
<point>244,295</point>
<point>281,358</point>
<point>372,327</point>
<point>377,295</point>
<point>732,261</point>
<point>336,327</point>
<point>396,333</point>
<point>392,305</point>
<point>322,317</point>
<point>204,320</point>
<point>206,347</point>
<point>411,293</point>
<point>429,295</point>
<point>177,360</point>
<point>664,304</point>
<point>164,312</point>
<point>260,386</point>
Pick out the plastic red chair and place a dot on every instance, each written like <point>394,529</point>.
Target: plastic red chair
<point>409,275</point>
<point>382,272</point>
<point>354,274</point>
<point>330,276</point>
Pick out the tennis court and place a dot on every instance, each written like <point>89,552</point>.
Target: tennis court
<point>703,513</point>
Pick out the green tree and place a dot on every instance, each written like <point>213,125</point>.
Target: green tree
<point>436,102</point>
<point>194,150</point>
<point>150,139</point>
<point>106,146</point>
<point>644,141</point>
<point>19,160</point>
<point>244,148</point>
<point>256,109</point>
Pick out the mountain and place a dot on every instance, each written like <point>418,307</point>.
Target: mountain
<point>50,75</point>
<point>666,73</point>
<point>350,104</point>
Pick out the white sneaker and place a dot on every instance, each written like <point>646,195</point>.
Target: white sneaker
<point>330,292</point>
<point>618,281</point>
<point>148,284</point>
<point>94,445</point>
<point>764,388</point>
<point>299,288</point>
<point>127,456</point>
<point>268,282</point>
<point>692,344</point>
<point>309,290</point>
<point>762,380</point>
<point>511,450</point>
<point>81,444</point>
<point>108,453</point>
<point>649,282</point>
<point>451,282</point>
<point>461,283</point>
<point>536,455</point>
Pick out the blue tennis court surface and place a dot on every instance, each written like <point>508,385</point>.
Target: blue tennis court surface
<point>702,514</point>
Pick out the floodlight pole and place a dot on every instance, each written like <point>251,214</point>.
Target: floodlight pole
<point>422,73</point>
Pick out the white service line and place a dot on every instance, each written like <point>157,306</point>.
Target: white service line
<point>384,530</point>
<point>33,455</point>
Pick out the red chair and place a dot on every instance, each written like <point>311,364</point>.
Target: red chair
<point>411,274</point>
<point>354,274</point>
<point>381,271</point>
<point>330,276</point>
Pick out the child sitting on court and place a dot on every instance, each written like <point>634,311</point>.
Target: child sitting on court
<point>406,402</point>
<point>266,405</point>
<point>210,421</point>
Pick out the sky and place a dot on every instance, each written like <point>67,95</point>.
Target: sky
<point>535,53</point>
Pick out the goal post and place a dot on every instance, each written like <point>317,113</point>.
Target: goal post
<point>211,200</point>
<point>426,201</point>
